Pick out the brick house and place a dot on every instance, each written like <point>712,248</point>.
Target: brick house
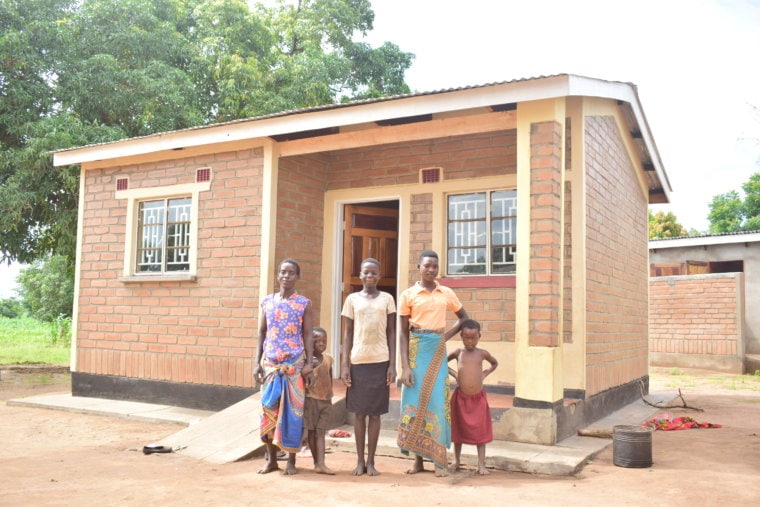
<point>534,192</point>
<point>701,294</point>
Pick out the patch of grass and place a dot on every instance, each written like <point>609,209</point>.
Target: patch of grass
<point>680,379</point>
<point>40,379</point>
<point>737,382</point>
<point>27,340</point>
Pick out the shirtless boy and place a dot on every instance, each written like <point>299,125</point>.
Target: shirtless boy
<point>470,413</point>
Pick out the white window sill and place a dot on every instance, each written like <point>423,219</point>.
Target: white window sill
<point>155,278</point>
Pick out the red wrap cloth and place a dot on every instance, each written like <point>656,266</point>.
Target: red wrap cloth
<point>470,418</point>
<point>664,422</point>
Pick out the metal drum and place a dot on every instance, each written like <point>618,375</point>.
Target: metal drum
<point>632,446</point>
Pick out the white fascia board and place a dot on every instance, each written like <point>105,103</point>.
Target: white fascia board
<point>588,87</point>
<point>726,239</point>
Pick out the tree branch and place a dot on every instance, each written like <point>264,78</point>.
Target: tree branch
<point>659,405</point>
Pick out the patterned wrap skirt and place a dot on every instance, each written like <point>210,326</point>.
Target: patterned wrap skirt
<point>425,427</point>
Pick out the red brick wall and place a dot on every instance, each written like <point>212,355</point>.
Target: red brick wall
<point>469,156</point>
<point>421,236</point>
<point>300,222</point>
<point>459,157</point>
<point>617,256</point>
<point>546,237</point>
<point>696,314</point>
<point>201,331</point>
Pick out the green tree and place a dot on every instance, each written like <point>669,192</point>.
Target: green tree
<point>751,205</point>
<point>665,225</point>
<point>725,212</point>
<point>730,212</point>
<point>79,72</point>
<point>10,308</point>
<point>46,288</point>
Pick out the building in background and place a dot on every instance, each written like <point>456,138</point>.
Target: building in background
<point>703,294</point>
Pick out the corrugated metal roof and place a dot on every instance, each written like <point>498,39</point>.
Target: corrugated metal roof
<point>326,107</point>
<point>706,239</point>
<point>330,118</point>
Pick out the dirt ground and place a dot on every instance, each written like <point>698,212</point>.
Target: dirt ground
<point>50,457</point>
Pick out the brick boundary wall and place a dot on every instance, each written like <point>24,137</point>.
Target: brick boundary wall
<point>695,321</point>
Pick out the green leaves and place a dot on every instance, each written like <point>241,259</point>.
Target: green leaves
<point>730,213</point>
<point>77,72</point>
<point>665,225</point>
<point>47,288</point>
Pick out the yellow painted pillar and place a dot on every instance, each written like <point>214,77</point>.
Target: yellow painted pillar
<point>540,260</point>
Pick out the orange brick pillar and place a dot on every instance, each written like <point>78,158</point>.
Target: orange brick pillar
<point>544,283</point>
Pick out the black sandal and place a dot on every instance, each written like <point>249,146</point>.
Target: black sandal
<point>153,449</point>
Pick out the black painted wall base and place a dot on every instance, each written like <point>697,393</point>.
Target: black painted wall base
<point>571,418</point>
<point>198,396</point>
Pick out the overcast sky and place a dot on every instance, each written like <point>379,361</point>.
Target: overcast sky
<point>695,63</point>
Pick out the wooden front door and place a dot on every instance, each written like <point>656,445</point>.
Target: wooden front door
<point>371,230</point>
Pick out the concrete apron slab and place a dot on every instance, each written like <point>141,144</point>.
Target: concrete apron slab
<point>147,412</point>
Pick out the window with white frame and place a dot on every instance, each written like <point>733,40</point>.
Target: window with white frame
<point>482,233</point>
<point>163,235</point>
<point>162,231</point>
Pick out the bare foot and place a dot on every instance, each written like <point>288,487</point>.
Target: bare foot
<point>323,469</point>
<point>483,471</point>
<point>360,469</point>
<point>441,472</point>
<point>269,467</point>
<point>371,470</point>
<point>454,467</point>
<point>416,468</point>
<point>290,469</point>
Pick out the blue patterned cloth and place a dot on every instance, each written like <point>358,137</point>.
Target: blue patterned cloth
<point>425,427</point>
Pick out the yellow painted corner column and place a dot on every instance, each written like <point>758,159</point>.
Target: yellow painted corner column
<point>574,352</point>
<point>539,290</point>
<point>269,218</point>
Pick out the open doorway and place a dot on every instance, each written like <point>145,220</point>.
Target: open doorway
<point>370,230</point>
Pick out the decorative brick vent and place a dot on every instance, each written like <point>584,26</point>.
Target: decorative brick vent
<point>203,174</point>
<point>122,184</point>
<point>432,175</point>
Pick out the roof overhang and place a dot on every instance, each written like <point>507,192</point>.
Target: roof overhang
<point>393,111</point>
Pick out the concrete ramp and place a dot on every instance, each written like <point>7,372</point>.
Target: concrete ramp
<point>225,436</point>
<point>232,434</point>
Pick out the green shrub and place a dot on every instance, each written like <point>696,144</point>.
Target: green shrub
<point>47,288</point>
<point>60,331</point>
<point>11,308</point>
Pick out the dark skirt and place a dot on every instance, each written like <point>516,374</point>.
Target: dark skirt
<point>369,392</point>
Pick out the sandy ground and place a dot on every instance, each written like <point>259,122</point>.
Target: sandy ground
<point>50,457</point>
